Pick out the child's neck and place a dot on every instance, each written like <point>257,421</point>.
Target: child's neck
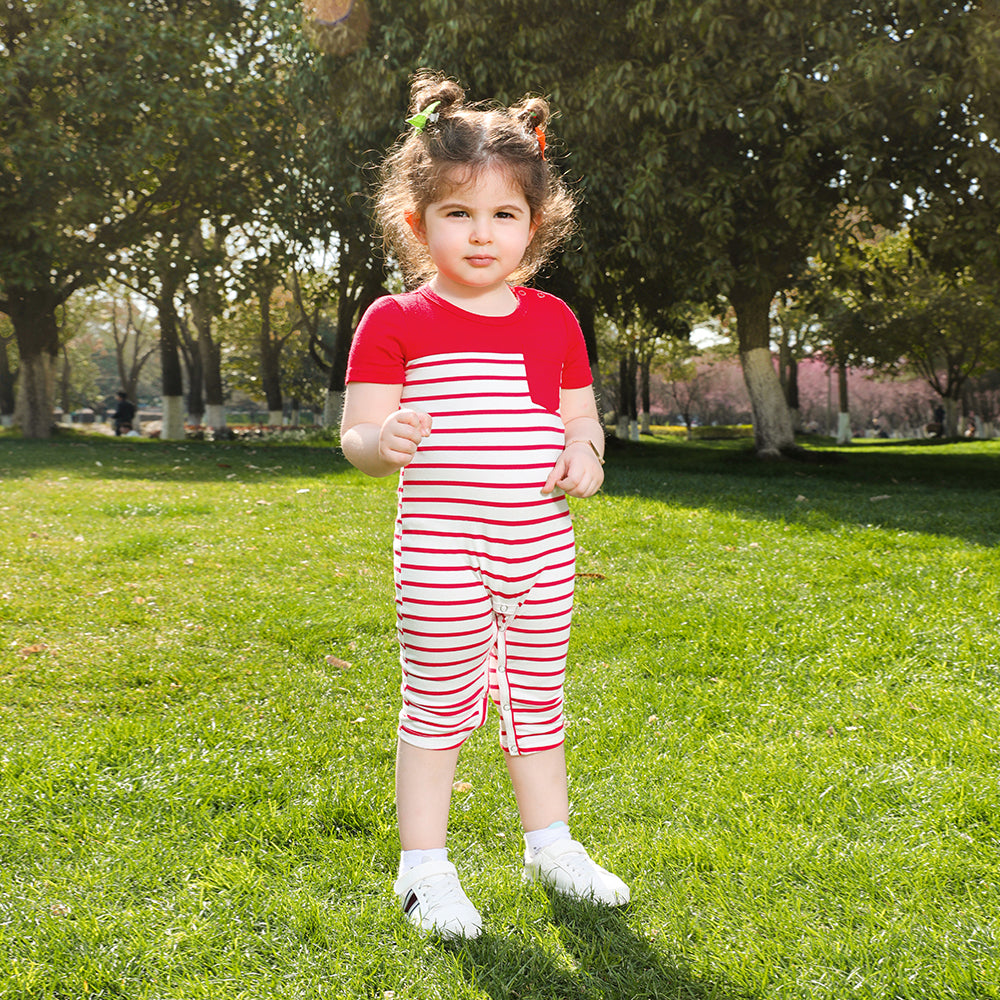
<point>499,301</point>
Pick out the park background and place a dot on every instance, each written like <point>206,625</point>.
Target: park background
<point>783,683</point>
<point>184,210</point>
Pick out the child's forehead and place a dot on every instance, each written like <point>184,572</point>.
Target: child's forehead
<point>469,181</point>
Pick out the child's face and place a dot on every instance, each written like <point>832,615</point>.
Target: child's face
<point>477,233</point>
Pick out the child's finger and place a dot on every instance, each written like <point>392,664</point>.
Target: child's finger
<point>558,470</point>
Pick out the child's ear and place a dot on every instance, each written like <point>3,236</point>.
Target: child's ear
<point>416,224</point>
<point>536,221</point>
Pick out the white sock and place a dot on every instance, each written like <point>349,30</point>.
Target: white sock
<point>410,859</point>
<point>538,840</point>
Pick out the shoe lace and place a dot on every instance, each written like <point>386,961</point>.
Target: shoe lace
<point>441,890</point>
<point>578,864</point>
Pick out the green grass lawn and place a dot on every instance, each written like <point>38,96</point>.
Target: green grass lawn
<point>782,690</point>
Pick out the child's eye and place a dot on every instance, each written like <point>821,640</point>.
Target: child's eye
<point>505,215</point>
<point>457,213</point>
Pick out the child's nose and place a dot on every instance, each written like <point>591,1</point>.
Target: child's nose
<point>481,232</point>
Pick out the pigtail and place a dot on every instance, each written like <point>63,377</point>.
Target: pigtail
<point>429,88</point>
<point>533,113</point>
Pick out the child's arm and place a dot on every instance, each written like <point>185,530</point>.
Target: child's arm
<point>578,469</point>
<point>375,434</point>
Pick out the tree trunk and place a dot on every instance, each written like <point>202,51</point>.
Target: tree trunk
<point>644,393</point>
<point>33,314</point>
<point>34,399</point>
<point>792,392</point>
<point>173,418</point>
<point>772,423</point>
<point>215,417</point>
<point>210,356</point>
<point>844,412</point>
<point>8,383</point>
<point>951,407</point>
<point>65,375</point>
<point>172,379</point>
<point>196,385</point>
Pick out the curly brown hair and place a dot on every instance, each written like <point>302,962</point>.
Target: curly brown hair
<point>462,142</point>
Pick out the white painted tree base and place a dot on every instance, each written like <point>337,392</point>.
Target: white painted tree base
<point>173,418</point>
<point>215,416</point>
<point>275,418</point>
<point>843,428</point>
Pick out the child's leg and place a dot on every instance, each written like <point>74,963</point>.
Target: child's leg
<point>539,781</point>
<point>423,795</point>
<point>428,885</point>
<point>551,855</point>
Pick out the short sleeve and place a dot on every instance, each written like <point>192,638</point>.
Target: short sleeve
<point>576,372</point>
<point>377,351</point>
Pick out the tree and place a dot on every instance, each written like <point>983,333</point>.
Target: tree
<point>943,326</point>
<point>751,123</point>
<point>100,109</point>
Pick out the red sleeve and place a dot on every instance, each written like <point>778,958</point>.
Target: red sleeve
<point>576,372</point>
<point>377,351</point>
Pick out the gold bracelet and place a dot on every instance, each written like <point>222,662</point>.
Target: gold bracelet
<point>593,447</point>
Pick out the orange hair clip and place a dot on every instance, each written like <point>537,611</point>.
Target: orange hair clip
<point>540,136</point>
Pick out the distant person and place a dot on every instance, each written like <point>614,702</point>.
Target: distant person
<point>476,392</point>
<point>936,427</point>
<point>124,414</point>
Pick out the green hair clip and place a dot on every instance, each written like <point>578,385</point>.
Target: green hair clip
<point>420,120</point>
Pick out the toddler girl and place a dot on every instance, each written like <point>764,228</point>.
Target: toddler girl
<point>478,392</point>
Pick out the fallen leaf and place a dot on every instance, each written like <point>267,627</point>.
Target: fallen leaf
<point>462,786</point>
<point>38,647</point>
<point>334,661</point>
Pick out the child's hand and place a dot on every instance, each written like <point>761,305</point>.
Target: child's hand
<point>401,433</point>
<point>577,471</point>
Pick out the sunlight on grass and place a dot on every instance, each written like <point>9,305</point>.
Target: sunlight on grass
<point>782,699</point>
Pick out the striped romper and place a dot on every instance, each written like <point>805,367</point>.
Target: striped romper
<point>483,562</point>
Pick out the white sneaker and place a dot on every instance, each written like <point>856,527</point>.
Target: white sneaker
<point>568,868</point>
<point>433,899</point>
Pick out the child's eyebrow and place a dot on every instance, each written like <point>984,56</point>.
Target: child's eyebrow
<point>448,206</point>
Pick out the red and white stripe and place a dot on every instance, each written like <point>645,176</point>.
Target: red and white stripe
<point>484,563</point>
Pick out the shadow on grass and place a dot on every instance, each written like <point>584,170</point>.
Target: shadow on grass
<point>948,490</point>
<point>111,459</point>
<point>597,956</point>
